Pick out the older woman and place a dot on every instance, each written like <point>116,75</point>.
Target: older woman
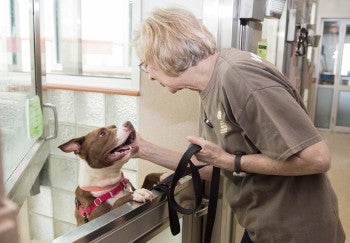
<point>278,189</point>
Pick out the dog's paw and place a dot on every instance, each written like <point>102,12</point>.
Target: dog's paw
<point>142,195</point>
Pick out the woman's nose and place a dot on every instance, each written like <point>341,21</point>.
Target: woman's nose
<point>151,77</point>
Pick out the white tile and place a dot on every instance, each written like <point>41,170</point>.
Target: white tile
<point>63,205</point>
<point>43,228</point>
<point>121,108</point>
<point>64,102</point>
<point>90,108</point>
<point>65,133</point>
<point>64,173</point>
<point>41,203</point>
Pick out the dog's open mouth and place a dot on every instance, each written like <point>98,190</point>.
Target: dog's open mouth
<point>127,138</point>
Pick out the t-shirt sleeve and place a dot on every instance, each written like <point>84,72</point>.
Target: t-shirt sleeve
<point>277,125</point>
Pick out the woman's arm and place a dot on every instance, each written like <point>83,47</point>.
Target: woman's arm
<point>311,160</point>
<point>165,157</point>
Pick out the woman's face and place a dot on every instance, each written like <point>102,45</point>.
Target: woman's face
<point>192,78</point>
<point>173,84</point>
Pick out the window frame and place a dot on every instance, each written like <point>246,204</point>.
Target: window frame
<point>127,83</point>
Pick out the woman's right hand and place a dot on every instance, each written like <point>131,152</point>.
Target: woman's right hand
<point>136,146</point>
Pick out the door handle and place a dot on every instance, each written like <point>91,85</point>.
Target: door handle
<point>53,108</point>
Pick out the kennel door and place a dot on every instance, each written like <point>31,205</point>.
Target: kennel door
<point>23,126</point>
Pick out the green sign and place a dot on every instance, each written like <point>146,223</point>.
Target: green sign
<point>262,50</point>
<point>35,121</point>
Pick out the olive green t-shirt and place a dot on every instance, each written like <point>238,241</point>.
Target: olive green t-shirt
<point>253,108</point>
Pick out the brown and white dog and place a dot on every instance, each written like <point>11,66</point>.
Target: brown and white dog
<point>102,186</point>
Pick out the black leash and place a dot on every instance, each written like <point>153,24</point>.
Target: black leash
<point>168,187</point>
<point>213,199</point>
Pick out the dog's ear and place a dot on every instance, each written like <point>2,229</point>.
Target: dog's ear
<point>74,145</point>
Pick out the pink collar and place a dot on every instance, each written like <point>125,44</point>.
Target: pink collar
<point>85,212</point>
<point>96,188</point>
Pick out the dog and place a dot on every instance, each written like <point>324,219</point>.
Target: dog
<point>101,184</point>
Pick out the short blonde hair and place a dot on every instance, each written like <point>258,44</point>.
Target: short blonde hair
<point>173,39</point>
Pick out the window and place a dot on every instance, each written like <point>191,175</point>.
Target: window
<point>88,38</point>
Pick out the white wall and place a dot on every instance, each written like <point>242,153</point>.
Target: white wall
<point>165,118</point>
<point>331,9</point>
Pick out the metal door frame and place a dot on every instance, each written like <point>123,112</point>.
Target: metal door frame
<point>336,87</point>
<point>19,183</point>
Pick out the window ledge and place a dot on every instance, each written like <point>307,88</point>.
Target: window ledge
<point>120,86</point>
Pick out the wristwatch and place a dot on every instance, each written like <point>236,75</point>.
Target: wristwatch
<point>237,168</point>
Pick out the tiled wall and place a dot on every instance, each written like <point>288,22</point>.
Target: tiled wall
<point>52,210</point>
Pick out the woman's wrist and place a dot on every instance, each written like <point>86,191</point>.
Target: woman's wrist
<point>227,162</point>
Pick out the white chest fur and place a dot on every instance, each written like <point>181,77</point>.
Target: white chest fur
<point>98,177</point>
<point>90,177</point>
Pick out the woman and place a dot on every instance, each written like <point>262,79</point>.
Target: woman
<point>278,189</point>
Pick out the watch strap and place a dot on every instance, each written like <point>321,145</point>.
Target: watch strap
<point>238,156</point>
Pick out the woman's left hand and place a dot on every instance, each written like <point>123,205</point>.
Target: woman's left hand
<point>210,153</point>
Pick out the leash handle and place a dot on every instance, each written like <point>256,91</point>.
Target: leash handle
<point>169,183</point>
<point>179,173</point>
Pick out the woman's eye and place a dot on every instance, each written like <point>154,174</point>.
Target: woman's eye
<point>102,133</point>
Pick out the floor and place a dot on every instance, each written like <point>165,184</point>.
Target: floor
<point>339,174</point>
<point>339,144</point>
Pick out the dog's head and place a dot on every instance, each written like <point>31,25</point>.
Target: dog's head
<point>104,146</point>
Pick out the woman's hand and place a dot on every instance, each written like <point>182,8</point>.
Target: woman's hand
<point>137,145</point>
<point>210,153</point>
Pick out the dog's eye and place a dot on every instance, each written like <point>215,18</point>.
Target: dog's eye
<point>102,133</point>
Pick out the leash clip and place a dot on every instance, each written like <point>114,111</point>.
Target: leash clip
<point>86,219</point>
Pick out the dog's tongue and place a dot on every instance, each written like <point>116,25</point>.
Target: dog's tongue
<point>122,148</point>
<point>115,156</point>
<point>119,152</point>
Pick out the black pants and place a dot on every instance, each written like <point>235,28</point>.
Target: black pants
<point>245,238</point>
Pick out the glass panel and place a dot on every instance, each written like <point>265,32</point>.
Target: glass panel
<point>15,81</point>
<point>323,107</point>
<point>90,37</point>
<point>345,68</point>
<point>343,109</point>
<point>273,33</point>
<point>329,52</point>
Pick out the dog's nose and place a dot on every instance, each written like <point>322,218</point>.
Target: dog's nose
<point>128,124</point>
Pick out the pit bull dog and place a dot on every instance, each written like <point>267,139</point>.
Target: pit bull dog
<point>101,184</point>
